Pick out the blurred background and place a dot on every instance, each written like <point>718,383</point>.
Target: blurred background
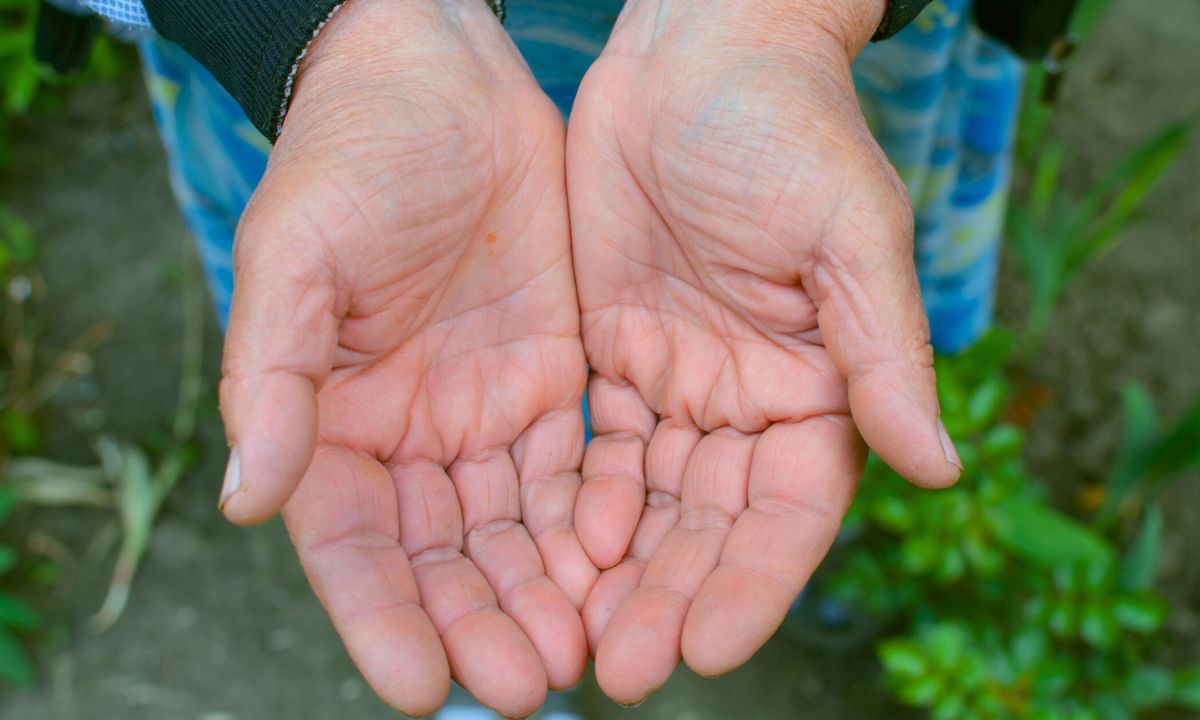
<point>1055,581</point>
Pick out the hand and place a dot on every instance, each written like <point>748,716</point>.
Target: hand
<point>743,252</point>
<point>403,370</point>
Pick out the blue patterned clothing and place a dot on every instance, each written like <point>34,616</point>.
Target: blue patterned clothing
<point>942,100</point>
<point>123,12</point>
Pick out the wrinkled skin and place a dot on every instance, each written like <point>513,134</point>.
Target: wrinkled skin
<point>403,370</point>
<point>404,362</point>
<point>743,255</point>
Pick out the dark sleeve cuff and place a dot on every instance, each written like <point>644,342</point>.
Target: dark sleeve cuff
<point>251,47</point>
<point>899,13</point>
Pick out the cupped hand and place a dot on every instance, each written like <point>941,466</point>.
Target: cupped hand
<point>403,369</point>
<point>743,253</point>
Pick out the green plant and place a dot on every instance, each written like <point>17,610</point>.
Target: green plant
<point>1149,457</point>
<point>1054,237</point>
<point>1010,608</point>
<point>16,618</point>
<point>1054,234</point>
<point>24,81</point>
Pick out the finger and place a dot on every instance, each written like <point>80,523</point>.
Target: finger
<point>617,583</point>
<point>874,325</point>
<point>547,456</point>
<point>666,458</point>
<point>614,486</point>
<point>640,646</point>
<point>488,653</point>
<point>504,552</point>
<point>278,351</point>
<point>342,520</point>
<point>802,479</point>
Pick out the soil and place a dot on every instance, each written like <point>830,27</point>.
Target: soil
<point>221,623</point>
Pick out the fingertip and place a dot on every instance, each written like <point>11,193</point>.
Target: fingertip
<point>610,590</point>
<point>732,616</point>
<point>496,663</point>
<point>902,426</point>
<point>272,426</point>
<point>554,628</point>
<point>639,650</point>
<point>606,516</point>
<point>251,497</point>
<point>401,658</point>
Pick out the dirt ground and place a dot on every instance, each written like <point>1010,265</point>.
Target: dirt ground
<point>221,623</point>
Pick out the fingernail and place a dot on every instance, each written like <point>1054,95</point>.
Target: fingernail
<point>948,446</point>
<point>631,706</point>
<point>233,477</point>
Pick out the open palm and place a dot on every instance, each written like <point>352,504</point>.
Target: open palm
<point>403,366</point>
<point>743,255</point>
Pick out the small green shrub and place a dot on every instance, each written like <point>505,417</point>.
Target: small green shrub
<point>1009,608</point>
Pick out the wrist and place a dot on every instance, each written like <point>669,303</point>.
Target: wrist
<point>829,26</point>
<point>381,48</point>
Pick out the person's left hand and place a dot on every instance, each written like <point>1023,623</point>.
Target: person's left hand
<point>743,254</point>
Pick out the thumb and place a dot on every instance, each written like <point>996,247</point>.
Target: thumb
<point>278,351</point>
<point>874,326</point>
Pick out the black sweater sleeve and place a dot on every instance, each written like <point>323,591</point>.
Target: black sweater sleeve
<point>250,46</point>
<point>898,14</point>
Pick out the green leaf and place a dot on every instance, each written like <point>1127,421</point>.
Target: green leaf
<point>903,658</point>
<point>1179,450</point>
<point>1098,627</point>
<point>1149,686</point>
<point>1036,532</point>
<point>1034,115</point>
<point>22,86</point>
<point>1187,687</point>
<point>946,645</point>
<point>1140,564</point>
<point>1038,254</point>
<point>950,707</point>
<point>922,691</point>
<point>8,559</point>
<point>1045,180</point>
<point>986,357</point>
<point>8,500</point>
<point>16,614</point>
<point>1002,442</point>
<point>1108,208</point>
<point>1140,436</point>
<point>918,553</point>
<point>1111,706</point>
<point>987,401</point>
<point>1142,613</point>
<point>21,431</point>
<point>15,667</point>
<point>1085,17</point>
<point>1029,647</point>
<point>893,513</point>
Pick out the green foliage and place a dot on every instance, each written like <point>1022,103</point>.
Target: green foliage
<point>1009,608</point>
<point>23,81</point>
<point>16,618</point>
<point>1054,236</point>
<point>1149,458</point>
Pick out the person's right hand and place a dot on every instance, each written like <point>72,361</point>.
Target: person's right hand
<point>403,369</point>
